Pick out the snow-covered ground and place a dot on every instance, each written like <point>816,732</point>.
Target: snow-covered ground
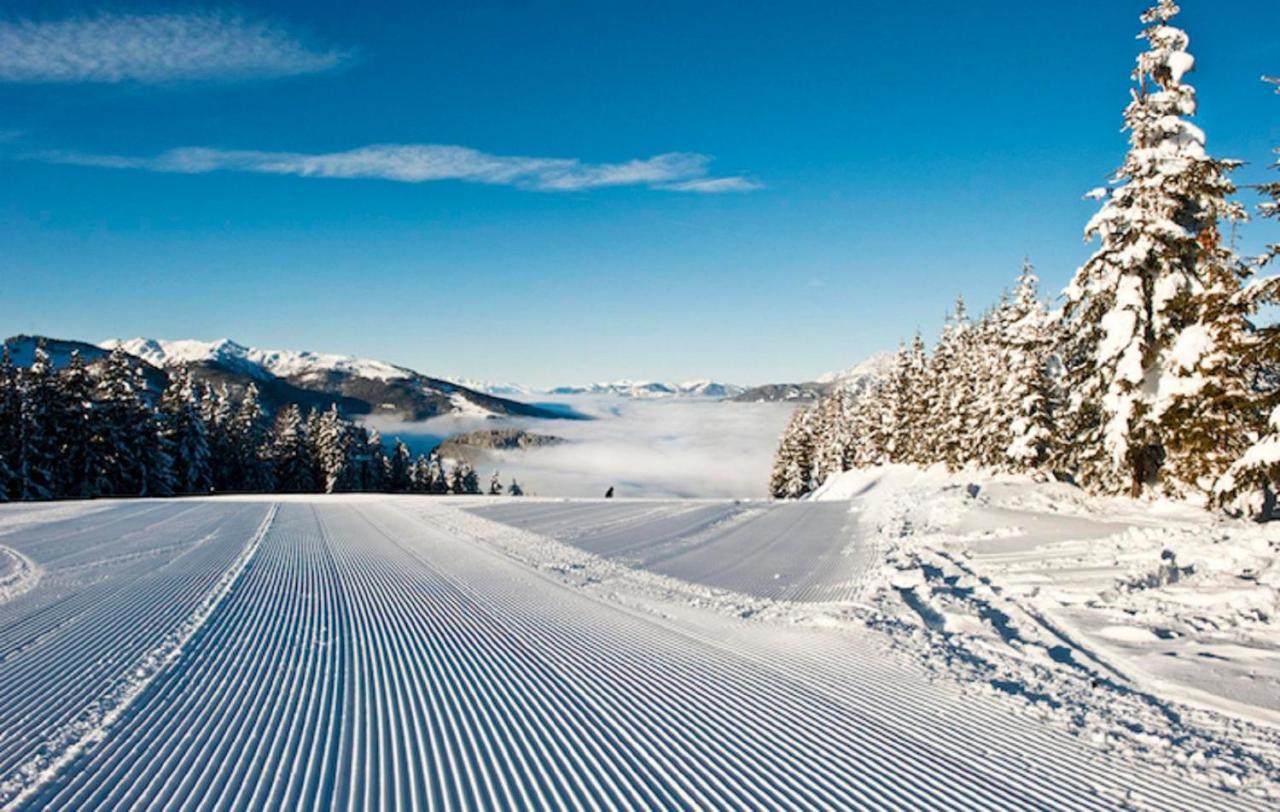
<point>361,651</point>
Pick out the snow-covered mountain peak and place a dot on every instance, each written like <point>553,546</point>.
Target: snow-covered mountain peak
<point>627,387</point>
<point>873,366</point>
<point>278,363</point>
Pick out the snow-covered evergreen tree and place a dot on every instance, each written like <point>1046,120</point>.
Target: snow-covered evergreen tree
<point>952,371</point>
<point>373,459</point>
<point>292,463</point>
<point>400,469</point>
<point>515,489</point>
<point>37,430</point>
<point>1128,304</point>
<point>793,466</point>
<point>1027,393</point>
<point>1252,481</point>
<point>80,468</point>
<point>437,480</point>
<point>218,412</point>
<point>128,434</point>
<point>495,484</point>
<point>10,425</point>
<point>333,451</point>
<point>185,432</point>
<point>250,445</point>
<point>420,475</point>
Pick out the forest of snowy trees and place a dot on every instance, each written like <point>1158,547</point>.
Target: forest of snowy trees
<point>1156,375</point>
<point>75,434</point>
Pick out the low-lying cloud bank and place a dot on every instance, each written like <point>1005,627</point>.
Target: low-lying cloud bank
<point>642,448</point>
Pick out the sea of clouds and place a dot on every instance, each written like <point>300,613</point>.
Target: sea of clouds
<point>670,447</point>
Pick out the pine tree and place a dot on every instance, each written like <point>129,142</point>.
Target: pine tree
<point>128,435</point>
<point>793,465</point>
<point>437,481</point>
<point>515,489</point>
<point>292,463</point>
<point>1027,395</point>
<point>1128,304</point>
<point>952,371</point>
<point>218,412</point>
<point>10,426</point>
<point>37,441</point>
<point>373,464</point>
<point>184,430</point>
<point>333,451</point>
<point>1252,481</point>
<point>420,475</point>
<point>400,469</point>
<point>249,444</point>
<point>80,469</point>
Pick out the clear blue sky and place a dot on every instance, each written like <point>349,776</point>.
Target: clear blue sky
<point>866,162</point>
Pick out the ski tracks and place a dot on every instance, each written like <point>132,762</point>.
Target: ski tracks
<point>373,655</point>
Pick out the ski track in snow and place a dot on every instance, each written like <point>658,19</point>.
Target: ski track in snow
<point>380,652</point>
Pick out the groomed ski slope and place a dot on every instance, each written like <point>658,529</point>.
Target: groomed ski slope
<point>382,652</point>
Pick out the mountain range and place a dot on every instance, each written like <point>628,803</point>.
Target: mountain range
<point>366,387</point>
<point>857,378</point>
<point>359,387</point>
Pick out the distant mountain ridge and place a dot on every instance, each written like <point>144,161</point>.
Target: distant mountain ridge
<point>858,378</point>
<point>358,386</point>
<point>653,389</point>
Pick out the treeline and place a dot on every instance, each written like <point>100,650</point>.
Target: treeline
<point>1155,376</point>
<point>76,433</point>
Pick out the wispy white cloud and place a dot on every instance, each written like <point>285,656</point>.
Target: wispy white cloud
<point>732,183</point>
<point>418,163</point>
<point>154,48</point>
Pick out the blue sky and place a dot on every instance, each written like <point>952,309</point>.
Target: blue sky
<point>753,192</point>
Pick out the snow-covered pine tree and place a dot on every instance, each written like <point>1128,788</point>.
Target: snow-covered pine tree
<point>1027,393</point>
<point>400,469</point>
<point>37,434</point>
<point>80,468</point>
<point>218,411</point>
<point>1252,482</point>
<point>333,451</point>
<point>420,475</point>
<point>830,436</point>
<point>495,484</point>
<point>865,417</point>
<point>515,489</point>
<point>793,464</point>
<point>250,445</point>
<point>953,374</point>
<point>184,430</point>
<point>898,394</point>
<point>917,407</point>
<point>373,461</point>
<point>128,436</point>
<point>437,481</point>
<point>1128,304</point>
<point>292,463</point>
<point>463,479</point>
<point>990,422</point>
<point>10,425</point>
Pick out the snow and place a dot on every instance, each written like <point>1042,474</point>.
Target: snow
<point>1040,583</point>
<point>358,651</point>
<point>873,367</point>
<point>280,363</point>
<point>629,388</point>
